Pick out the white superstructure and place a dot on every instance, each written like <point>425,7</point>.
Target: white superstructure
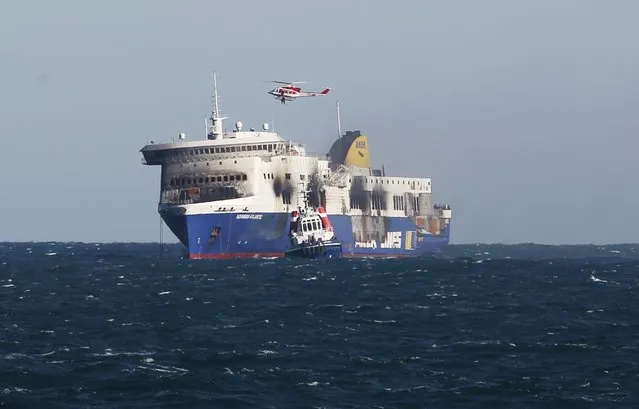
<point>258,171</point>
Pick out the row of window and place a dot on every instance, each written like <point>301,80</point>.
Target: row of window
<point>392,182</point>
<point>311,226</point>
<point>267,147</point>
<point>220,193</point>
<point>207,179</point>
<point>378,202</point>
<point>287,176</point>
<point>196,194</point>
<point>358,201</point>
<point>377,199</point>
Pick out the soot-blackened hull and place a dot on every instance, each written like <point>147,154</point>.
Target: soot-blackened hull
<point>246,235</point>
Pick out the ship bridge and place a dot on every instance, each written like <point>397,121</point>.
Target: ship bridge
<point>235,144</point>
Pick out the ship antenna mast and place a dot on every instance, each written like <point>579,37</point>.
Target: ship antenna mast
<point>216,120</point>
<point>339,123</point>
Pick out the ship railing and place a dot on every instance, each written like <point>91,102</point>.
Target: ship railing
<point>339,176</point>
<point>292,148</point>
<point>233,155</point>
<point>319,156</point>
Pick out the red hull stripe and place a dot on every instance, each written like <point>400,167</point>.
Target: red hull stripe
<point>225,256</point>
<point>228,256</point>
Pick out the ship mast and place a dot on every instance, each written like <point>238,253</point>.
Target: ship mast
<point>217,130</point>
<point>339,123</point>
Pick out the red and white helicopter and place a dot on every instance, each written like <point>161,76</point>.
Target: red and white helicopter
<point>288,91</point>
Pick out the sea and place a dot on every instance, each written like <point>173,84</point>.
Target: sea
<point>120,325</point>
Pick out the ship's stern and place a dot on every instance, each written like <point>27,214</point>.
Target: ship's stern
<point>435,235</point>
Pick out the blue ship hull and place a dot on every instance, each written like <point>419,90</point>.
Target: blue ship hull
<point>245,235</point>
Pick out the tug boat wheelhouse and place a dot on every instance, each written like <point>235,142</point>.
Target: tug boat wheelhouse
<point>312,235</point>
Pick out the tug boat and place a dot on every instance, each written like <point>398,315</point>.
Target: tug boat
<point>311,234</point>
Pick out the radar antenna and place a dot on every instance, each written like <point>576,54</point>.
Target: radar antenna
<point>216,120</point>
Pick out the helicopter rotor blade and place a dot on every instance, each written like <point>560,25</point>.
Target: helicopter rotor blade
<point>289,82</point>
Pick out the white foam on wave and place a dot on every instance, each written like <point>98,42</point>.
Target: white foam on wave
<point>14,355</point>
<point>109,352</point>
<point>596,280</point>
<point>12,389</point>
<point>173,370</point>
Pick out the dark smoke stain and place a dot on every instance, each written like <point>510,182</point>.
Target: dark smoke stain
<point>386,221</point>
<point>316,195</point>
<point>282,186</point>
<point>379,194</point>
<point>409,208</point>
<point>278,186</point>
<point>371,225</point>
<point>382,196</point>
<point>210,191</point>
<point>359,194</point>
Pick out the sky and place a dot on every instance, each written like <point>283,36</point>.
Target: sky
<point>523,113</point>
